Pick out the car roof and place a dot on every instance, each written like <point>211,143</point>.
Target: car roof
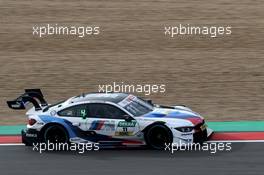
<point>97,96</point>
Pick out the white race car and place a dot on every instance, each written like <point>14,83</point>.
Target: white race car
<point>110,119</point>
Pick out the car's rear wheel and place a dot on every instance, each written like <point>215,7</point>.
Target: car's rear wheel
<point>55,134</point>
<point>158,136</point>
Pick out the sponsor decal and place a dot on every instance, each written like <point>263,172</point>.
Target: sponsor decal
<point>126,124</point>
<point>15,105</point>
<point>103,125</point>
<point>108,126</point>
<point>125,128</point>
<point>122,133</point>
<point>97,125</point>
<point>31,135</point>
<point>187,134</point>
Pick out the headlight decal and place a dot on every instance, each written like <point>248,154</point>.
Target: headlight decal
<point>184,129</point>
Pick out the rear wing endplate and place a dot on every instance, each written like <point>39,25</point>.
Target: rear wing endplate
<point>33,96</point>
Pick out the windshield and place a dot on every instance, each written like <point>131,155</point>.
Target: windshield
<point>135,106</point>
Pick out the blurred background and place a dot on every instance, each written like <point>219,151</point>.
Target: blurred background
<point>221,78</point>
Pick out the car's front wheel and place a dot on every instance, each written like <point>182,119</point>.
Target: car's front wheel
<point>55,134</point>
<point>158,136</point>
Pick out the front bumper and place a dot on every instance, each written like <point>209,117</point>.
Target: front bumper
<point>30,136</point>
<point>199,136</point>
<point>201,133</point>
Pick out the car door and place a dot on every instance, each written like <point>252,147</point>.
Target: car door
<point>109,120</point>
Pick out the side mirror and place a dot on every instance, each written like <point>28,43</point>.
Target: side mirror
<point>128,118</point>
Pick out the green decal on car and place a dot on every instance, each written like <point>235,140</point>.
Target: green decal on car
<point>127,124</point>
<point>83,113</point>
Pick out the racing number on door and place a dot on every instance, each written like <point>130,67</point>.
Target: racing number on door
<point>124,129</point>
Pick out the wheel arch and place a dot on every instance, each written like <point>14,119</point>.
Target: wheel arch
<point>157,123</point>
<point>51,120</point>
<point>41,133</point>
<point>163,126</point>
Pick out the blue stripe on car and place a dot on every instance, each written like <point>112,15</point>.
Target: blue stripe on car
<point>171,114</point>
<point>68,126</point>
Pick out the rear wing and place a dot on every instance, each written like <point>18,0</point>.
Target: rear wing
<point>33,96</point>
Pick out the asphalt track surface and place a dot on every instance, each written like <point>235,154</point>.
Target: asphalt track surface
<point>244,158</point>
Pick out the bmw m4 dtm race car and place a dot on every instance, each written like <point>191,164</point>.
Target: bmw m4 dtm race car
<point>109,119</point>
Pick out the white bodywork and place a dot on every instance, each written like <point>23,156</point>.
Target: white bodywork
<point>113,127</point>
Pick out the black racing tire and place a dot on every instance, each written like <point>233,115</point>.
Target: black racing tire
<point>55,134</point>
<point>158,136</point>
